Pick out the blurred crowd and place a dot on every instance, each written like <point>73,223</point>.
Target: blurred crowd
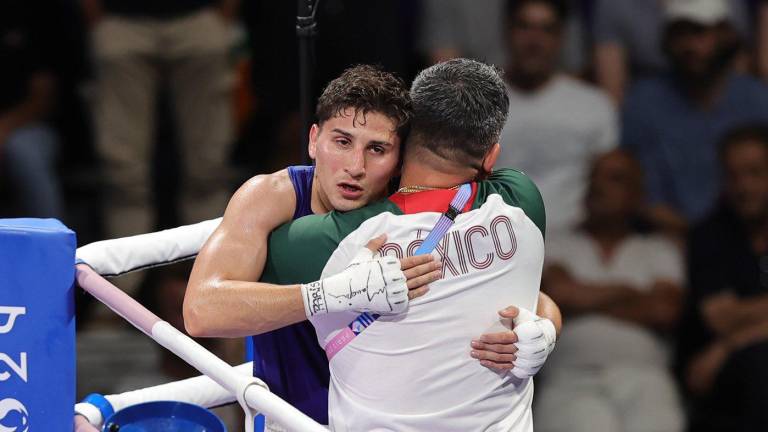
<point>643,122</point>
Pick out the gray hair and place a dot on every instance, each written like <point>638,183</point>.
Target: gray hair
<point>460,107</point>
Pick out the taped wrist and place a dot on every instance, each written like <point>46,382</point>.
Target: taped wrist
<point>313,295</point>
<point>375,285</point>
<point>536,340</point>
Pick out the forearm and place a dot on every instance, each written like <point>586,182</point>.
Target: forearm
<point>591,298</point>
<point>548,309</point>
<point>229,308</point>
<point>704,367</point>
<point>611,70</point>
<point>754,311</point>
<point>607,297</point>
<point>641,310</point>
<point>728,315</point>
<point>658,308</point>
<point>572,296</point>
<point>224,297</point>
<point>749,335</point>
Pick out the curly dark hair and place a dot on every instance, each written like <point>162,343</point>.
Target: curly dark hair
<point>367,88</point>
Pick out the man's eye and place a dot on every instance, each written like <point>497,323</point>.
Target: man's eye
<point>343,142</point>
<point>377,149</point>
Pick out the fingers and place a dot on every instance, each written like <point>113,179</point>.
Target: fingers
<point>498,348</point>
<point>523,351</point>
<point>492,356</point>
<point>506,337</point>
<point>413,261</point>
<point>510,312</point>
<point>523,316</point>
<point>377,242</point>
<point>418,292</point>
<point>424,280</point>
<point>500,367</point>
<point>423,274</point>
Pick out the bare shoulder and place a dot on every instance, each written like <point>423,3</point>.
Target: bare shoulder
<point>266,199</point>
<point>277,183</point>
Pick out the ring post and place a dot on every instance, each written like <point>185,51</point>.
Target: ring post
<point>37,326</point>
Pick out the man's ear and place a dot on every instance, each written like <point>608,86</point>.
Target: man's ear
<point>489,160</point>
<point>314,131</point>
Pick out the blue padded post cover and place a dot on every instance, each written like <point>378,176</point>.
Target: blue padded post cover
<point>37,326</point>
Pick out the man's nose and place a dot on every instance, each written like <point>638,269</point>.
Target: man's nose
<point>356,164</point>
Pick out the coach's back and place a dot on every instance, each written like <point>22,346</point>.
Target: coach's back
<point>413,371</point>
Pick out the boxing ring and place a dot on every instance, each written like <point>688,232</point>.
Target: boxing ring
<point>220,383</point>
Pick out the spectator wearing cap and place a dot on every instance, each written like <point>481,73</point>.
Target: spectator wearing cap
<point>723,342</point>
<point>549,134</point>
<point>672,122</point>
<point>627,36</point>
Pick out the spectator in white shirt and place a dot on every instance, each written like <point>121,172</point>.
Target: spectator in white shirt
<point>621,291</point>
<point>556,124</point>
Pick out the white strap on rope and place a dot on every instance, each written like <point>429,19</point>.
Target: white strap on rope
<point>200,390</point>
<point>123,255</point>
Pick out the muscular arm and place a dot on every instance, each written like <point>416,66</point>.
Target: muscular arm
<point>223,297</point>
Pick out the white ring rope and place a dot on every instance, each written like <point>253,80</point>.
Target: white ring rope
<point>221,383</point>
<point>123,255</point>
<point>200,390</point>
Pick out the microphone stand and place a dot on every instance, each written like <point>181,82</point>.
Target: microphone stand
<point>306,29</point>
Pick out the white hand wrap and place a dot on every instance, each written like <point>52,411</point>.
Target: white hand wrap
<point>368,284</point>
<point>536,339</point>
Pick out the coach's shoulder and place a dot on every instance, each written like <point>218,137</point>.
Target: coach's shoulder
<point>515,182</point>
<point>516,189</point>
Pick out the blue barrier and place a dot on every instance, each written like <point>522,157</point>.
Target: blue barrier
<point>37,326</point>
